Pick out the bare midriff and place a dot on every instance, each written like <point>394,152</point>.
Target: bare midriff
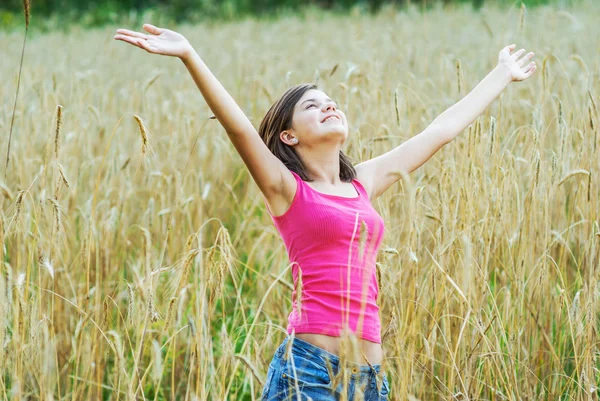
<point>371,350</point>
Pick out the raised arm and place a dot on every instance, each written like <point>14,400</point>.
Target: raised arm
<point>382,171</point>
<point>266,169</point>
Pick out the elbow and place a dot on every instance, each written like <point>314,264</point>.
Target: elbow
<point>446,139</point>
<point>442,134</point>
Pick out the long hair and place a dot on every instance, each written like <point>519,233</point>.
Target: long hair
<point>279,118</point>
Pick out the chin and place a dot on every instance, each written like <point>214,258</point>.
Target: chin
<point>338,130</point>
<point>337,134</point>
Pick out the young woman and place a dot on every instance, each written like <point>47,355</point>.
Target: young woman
<point>321,206</point>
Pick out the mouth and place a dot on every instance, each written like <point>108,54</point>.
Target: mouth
<point>330,118</point>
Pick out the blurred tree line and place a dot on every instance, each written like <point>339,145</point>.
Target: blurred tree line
<point>96,12</point>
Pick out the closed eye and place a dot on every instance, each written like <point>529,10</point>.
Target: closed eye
<point>312,104</point>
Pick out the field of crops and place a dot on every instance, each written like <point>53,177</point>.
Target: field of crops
<point>139,261</point>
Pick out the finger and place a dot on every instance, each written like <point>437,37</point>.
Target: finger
<point>506,49</point>
<point>153,29</point>
<point>128,39</point>
<point>529,66</point>
<point>510,48</point>
<point>518,54</point>
<point>144,45</point>
<point>132,33</point>
<point>531,71</point>
<point>525,59</point>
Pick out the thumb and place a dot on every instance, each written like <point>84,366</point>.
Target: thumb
<point>153,29</point>
<point>508,49</point>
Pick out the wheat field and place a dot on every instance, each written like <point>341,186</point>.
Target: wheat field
<point>139,261</point>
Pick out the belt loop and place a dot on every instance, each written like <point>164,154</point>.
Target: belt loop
<point>282,347</point>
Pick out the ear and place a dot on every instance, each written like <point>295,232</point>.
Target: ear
<point>287,137</point>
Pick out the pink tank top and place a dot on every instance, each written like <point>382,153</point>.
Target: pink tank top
<point>322,235</point>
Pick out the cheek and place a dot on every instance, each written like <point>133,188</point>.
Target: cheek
<point>344,119</point>
<point>312,119</point>
<point>304,122</point>
<point>299,119</point>
<point>309,120</point>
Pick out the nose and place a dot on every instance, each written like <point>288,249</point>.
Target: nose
<point>329,106</point>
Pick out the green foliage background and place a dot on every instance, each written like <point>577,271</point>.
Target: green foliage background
<point>62,13</point>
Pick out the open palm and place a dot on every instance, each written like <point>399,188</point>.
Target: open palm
<point>157,41</point>
<point>519,69</point>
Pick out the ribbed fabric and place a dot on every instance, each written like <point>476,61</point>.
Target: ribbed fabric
<point>322,235</point>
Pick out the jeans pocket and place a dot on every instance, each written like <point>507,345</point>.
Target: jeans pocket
<point>268,382</point>
<point>304,375</point>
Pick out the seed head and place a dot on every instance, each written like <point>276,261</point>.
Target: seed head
<point>57,131</point>
<point>27,12</point>
<point>143,133</point>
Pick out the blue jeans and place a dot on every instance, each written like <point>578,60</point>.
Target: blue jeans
<point>304,371</point>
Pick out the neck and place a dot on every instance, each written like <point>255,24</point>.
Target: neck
<point>322,166</point>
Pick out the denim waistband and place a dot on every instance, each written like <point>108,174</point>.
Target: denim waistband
<point>319,355</point>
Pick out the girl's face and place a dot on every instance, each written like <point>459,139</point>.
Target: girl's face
<point>317,119</point>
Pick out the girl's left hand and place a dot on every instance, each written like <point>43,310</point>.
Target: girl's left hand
<point>518,69</point>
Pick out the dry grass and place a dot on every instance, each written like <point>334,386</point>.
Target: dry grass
<point>161,281</point>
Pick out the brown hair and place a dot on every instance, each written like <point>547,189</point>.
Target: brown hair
<point>279,118</point>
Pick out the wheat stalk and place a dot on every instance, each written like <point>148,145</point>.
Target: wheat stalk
<point>19,205</point>
<point>492,135</point>
<point>131,305</point>
<point>27,11</point>
<point>57,131</point>
<point>459,79</point>
<point>522,19</point>
<point>572,174</point>
<point>6,192</point>
<point>537,168</point>
<point>157,367</point>
<point>396,107</point>
<point>299,286</point>
<point>143,133</point>
<point>1,245</point>
<point>252,369</point>
<point>152,80</point>
<point>56,208</point>
<point>63,176</point>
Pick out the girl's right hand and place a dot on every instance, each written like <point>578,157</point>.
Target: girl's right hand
<point>158,41</point>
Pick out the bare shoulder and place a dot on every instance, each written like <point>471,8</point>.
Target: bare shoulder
<point>280,199</point>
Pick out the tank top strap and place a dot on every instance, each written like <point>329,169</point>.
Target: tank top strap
<point>309,192</point>
<point>361,189</point>
<point>300,190</point>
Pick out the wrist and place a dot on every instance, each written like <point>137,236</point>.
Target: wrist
<point>503,73</point>
<point>187,55</point>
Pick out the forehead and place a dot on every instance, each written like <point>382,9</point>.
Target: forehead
<point>313,94</point>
